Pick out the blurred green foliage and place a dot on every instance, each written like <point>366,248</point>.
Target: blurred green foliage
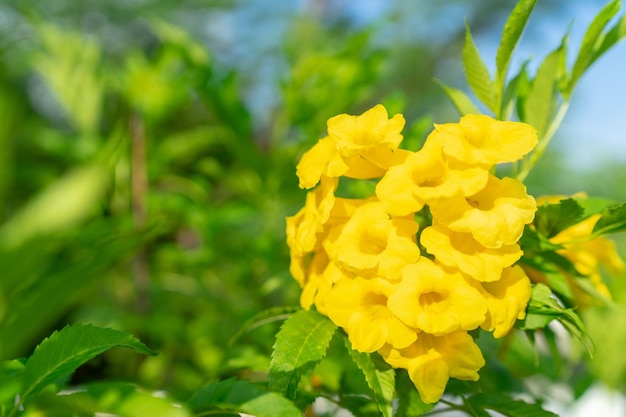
<point>140,191</point>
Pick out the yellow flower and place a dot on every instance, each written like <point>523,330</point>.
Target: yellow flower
<point>435,300</point>
<point>460,250</point>
<point>432,360</point>
<point>425,176</point>
<point>507,300</point>
<point>355,134</point>
<point>304,227</point>
<point>321,159</point>
<point>480,140</point>
<point>356,147</point>
<point>373,244</point>
<point>360,306</point>
<point>321,277</point>
<point>495,216</point>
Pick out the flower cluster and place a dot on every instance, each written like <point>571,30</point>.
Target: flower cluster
<point>408,271</point>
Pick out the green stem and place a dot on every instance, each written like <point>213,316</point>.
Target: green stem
<point>543,143</point>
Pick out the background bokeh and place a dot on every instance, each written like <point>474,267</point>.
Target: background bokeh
<point>148,152</point>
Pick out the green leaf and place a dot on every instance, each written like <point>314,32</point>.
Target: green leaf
<point>10,380</point>
<point>61,206</point>
<point>553,275</point>
<point>517,88</point>
<point>540,102</point>
<point>593,205</point>
<point>553,218</point>
<point>300,344</point>
<point>531,242</point>
<point>107,398</point>
<point>242,396</point>
<point>614,35</point>
<point>592,42</point>
<point>613,220</point>
<point>511,34</point>
<point>380,378</point>
<point>508,406</point>
<point>410,403</point>
<point>65,350</point>
<point>477,73</point>
<point>460,100</point>
<point>475,411</point>
<point>267,316</point>
<point>542,309</point>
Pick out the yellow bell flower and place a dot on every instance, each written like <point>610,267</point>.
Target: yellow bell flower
<point>322,275</point>
<point>436,300</point>
<point>371,243</point>
<point>355,134</point>
<point>432,360</point>
<point>360,306</point>
<point>495,216</point>
<point>507,299</point>
<point>356,147</point>
<point>460,250</point>
<point>480,140</point>
<point>321,159</point>
<point>425,176</point>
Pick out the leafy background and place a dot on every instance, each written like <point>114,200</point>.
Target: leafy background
<point>147,154</point>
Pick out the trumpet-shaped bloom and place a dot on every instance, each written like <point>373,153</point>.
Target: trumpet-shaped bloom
<point>435,300</point>
<point>495,216</point>
<point>432,360</point>
<point>322,275</point>
<point>373,244</point>
<point>304,227</point>
<point>426,176</point>
<point>321,159</point>
<point>507,300</point>
<point>356,147</point>
<point>354,134</point>
<point>460,250</point>
<point>484,141</point>
<point>360,306</point>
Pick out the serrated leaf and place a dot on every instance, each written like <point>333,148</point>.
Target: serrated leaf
<point>267,316</point>
<point>592,42</point>
<point>461,102</point>
<point>511,34</point>
<point>540,102</point>
<point>380,378</point>
<point>242,396</point>
<point>69,348</point>
<point>477,73</point>
<point>508,406</point>
<point>410,403</point>
<point>613,220</point>
<point>553,218</point>
<point>300,344</point>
